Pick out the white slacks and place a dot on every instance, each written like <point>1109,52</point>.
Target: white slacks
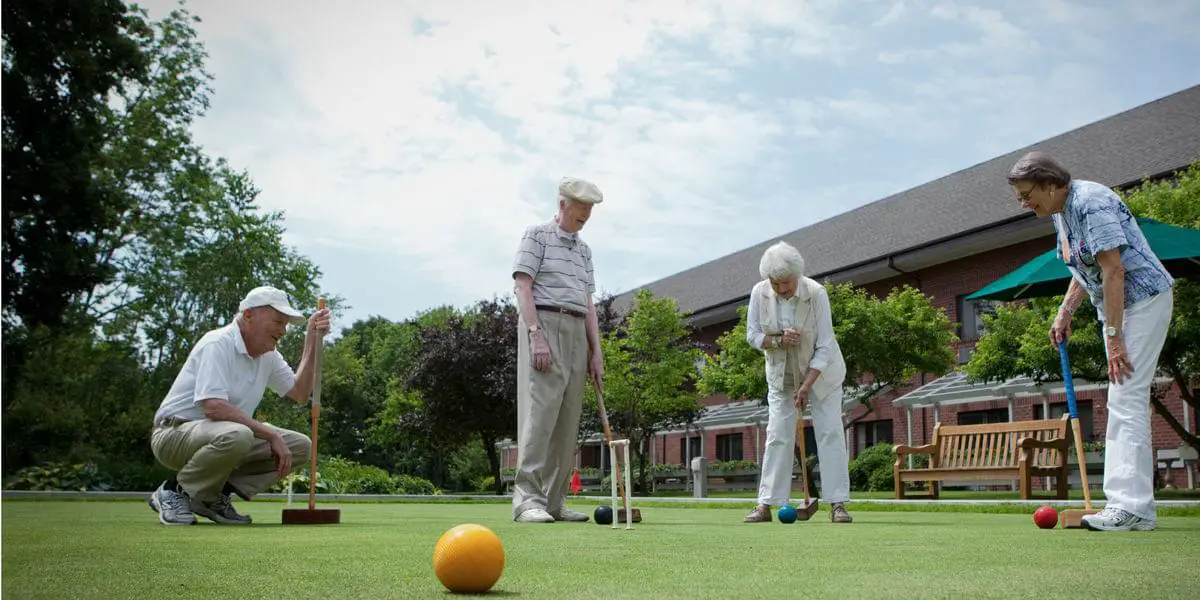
<point>1128,456</point>
<point>775,478</point>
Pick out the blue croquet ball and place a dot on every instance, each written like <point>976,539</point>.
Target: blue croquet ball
<point>603,515</point>
<point>787,514</point>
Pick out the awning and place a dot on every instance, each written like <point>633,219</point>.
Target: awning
<point>1177,247</point>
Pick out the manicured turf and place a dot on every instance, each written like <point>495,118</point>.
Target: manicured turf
<point>94,549</point>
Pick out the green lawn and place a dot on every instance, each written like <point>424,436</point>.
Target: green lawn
<point>117,549</point>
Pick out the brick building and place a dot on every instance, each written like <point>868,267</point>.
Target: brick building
<point>948,238</point>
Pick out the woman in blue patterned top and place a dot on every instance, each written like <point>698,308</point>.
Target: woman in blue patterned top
<point>1112,265</point>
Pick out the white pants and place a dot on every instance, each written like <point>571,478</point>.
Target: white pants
<point>775,479</point>
<point>1128,456</point>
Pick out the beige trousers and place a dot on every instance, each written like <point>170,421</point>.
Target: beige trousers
<point>207,454</point>
<point>548,408</point>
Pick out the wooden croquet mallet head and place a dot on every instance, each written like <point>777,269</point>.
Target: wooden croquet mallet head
<point>312,514</point>
<point>1072,518</point>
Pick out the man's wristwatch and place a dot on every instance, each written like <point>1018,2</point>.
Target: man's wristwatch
<point>536,327</point>
<point>1111,331</point>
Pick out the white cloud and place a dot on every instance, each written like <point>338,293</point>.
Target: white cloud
<point>377,149</point>
<point>433,132</point>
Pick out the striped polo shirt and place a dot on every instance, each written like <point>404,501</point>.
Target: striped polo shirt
<point>560,264</point>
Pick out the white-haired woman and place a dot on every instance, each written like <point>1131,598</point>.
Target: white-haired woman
<point>790,320</point>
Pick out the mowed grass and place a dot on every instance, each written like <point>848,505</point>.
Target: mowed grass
<point>117,549</point>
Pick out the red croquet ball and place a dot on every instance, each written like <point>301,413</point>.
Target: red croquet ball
<point>1046,517</point>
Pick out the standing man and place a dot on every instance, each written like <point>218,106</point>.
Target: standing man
<point>205,428</point>
<point>558,345</point>
<point>789,318</point>
<point>1115,270</point>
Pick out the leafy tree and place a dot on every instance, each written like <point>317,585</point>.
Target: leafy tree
<point>465,374</point>
<point>885,342</point>
<point>649,368</point>
<point>1017,343</point>
<point>62,58</point>
<point>737,369</point>
<point>176,235</point>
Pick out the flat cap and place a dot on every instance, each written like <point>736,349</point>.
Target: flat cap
<point>578,189</point>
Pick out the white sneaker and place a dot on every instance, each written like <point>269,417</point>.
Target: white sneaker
<point>566,514</point>
<point>1116,519</point>
<point>534,515</point>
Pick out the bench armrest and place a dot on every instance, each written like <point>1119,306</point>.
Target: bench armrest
<point>1033,443</point>
<point>902,450</point>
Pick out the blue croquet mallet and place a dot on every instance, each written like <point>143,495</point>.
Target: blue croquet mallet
<point>1073,518</point>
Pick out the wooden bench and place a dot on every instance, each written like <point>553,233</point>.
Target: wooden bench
<point>1019,450</point>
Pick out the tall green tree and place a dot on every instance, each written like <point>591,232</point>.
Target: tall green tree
<point>649,376</point>
<point>62,59</point>
<point>1017,343</point>
<point>178,235</point>
<point>885,342</point>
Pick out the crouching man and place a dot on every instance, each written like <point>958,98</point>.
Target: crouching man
<point>204,429</point>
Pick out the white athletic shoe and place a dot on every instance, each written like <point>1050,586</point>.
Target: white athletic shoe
<point>1116,519</point>
<point>534,515</point>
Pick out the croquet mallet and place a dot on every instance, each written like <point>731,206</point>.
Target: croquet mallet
<point>313,515</point>
<point>1073,518</point>
<point>615,473</point>
<point>806,512</point>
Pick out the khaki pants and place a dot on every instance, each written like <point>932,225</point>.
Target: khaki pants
<point>207,454</point>
<point>548,408</point>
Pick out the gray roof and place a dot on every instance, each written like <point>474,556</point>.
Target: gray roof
<point>1146,141</point>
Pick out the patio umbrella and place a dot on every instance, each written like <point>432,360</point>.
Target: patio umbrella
<point>1177,247</point>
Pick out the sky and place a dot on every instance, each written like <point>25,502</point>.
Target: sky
<point>410,143</point>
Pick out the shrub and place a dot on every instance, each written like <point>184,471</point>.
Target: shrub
<point>871,470</point>
<point>80,477</point>
<point>337,475</point>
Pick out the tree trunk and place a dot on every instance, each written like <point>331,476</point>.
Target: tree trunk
<point>489,446</point>
<point>639,455</point>
<point>1162,410</point>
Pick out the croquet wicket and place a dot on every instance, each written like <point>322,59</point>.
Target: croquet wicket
<point>617,472</point>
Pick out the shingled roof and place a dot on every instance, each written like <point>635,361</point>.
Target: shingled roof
<point>1147,141</point>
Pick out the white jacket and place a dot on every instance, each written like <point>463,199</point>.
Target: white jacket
<point>818,346</point>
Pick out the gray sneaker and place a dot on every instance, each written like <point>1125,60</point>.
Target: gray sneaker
<point>172,506</point>
<point>566,514</point>
<point>1115,519</point>
<point>220,511</point>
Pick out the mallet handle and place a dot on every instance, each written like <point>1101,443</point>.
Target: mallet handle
<point>316,413</point>
<point>616,473</point>
<point>800,439</point>
<point>1069,388</point>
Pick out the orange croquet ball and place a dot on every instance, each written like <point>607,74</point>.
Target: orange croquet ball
<point>468,558</point>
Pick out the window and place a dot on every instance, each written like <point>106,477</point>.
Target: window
<point>1060,409</point>
<point>729,446</point>
<point>983,417</point>
<point>872,432</point>
<point>589,456</point>
<point>970,317</point>
<point>689,448</point>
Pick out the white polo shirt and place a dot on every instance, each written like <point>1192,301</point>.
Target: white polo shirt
<point>220,367</point>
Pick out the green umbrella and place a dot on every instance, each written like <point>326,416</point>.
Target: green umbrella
<point>1177,247</point>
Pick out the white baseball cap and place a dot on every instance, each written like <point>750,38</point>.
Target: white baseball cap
<point>275,298</point>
